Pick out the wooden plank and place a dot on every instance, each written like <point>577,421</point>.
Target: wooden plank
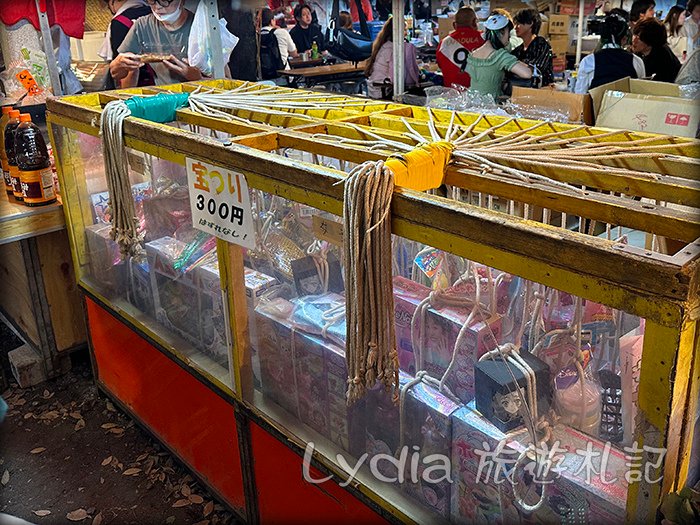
<point>60,286</point>
<point>16,300</point>
<point>613,210</point>
<point>19,222</point>
<point>233,284</point>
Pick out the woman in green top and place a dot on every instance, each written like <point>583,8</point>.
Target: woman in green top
<point>487,65</point>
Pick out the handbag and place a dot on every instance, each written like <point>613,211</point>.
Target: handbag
<point>349,45</point>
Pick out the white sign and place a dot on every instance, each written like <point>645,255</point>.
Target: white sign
<point>220,203</point>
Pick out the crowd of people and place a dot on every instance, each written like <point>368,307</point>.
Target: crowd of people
<point>506,51</point>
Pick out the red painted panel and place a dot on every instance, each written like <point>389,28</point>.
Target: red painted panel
<point>182,411</point>
<point>285,497</point>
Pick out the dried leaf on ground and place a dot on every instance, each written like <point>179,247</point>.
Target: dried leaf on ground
<point>41,513</point>
<point>76,415</point>
<point>142,457</point>
<point>20,402</point>
<point>97,519</point>
<point>208,509</point>
<point>37,450</point>
<point>106,461</point>
<point>182,503</point>
<point>131,472</point>
<point>195,498</point>
<point>186,491</point>
<point>51,414</point>
<point>80,424</point>
<point>170,519</point>
<point>107,426</point>
<point>77,515</point>
<point>5,477</point>
<point>118,431</point>
<point>110,407</point>
<point>28,415</point>
<point>203,522</point>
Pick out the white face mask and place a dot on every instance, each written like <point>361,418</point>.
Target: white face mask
<point>169,18</point>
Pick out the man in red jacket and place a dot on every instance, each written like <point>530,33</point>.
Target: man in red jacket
<point>453,50</point>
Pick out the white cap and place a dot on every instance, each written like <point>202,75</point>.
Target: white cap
<point>496,22</point>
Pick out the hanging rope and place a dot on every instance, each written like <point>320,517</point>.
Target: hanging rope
<point>124,222</point>
<point>370,351</point>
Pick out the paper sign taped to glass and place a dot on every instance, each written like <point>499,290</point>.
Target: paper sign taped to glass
<point>220,203</point>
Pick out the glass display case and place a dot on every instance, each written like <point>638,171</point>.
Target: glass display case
<point>544,335</point>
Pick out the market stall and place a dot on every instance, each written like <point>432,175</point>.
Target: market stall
<point>543,291</point>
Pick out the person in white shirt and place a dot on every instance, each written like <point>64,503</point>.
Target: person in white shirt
<point>610,62</point>
<point>691,29</point>
<point>284,40</point>
<point>674,22</point>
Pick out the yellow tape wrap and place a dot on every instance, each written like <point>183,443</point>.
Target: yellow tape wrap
<point>423,168</point>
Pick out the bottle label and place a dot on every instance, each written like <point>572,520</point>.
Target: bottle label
<point>15,182</point>
<point>37,186</point>
<point>8,180</point>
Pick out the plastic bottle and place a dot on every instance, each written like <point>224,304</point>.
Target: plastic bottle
<point>3,155</point>
<point>314,50</point>
<point>9,135</point>
<point>32,156</point>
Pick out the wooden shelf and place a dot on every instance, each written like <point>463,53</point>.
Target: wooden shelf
<point>18,221</point>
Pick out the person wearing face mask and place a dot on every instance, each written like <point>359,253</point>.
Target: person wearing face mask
<point>124,12</point>
<point>166,28</point>
<point>488,64</point>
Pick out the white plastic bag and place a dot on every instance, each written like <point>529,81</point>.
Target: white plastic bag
<point>199,52</point>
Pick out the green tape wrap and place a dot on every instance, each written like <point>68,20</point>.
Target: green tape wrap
<point>158,108</point>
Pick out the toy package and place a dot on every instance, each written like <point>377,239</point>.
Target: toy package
<point>106,264</point>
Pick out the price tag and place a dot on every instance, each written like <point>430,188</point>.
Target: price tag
<point>27,80</point>
<point>328,230</point>
<point>220,203</point>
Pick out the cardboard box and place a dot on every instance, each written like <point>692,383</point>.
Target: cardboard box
<point>559,24</point>
<point>256,284</point>
<point>650,107</point>
<point>580,107</point>
<point>476,473</point>
<point>445,26</point>
<point>560,44</point>
<point>571,7</point>
<point>633,85</point>
<point>106,264</point>
<point>428,426</point>
<point>408,295</point>
<point>559,63</point>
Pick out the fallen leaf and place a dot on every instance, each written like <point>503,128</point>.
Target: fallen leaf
<point>28,415</point>
<point>76,415</point>
<point>196,499</point>
<point>131,472</point>
<point>46,393</point>
<point>117,431</point>
<point>80,424</point>
<point>203,522</point>
<point>106,461</point>
<point>141,457</point>
<point>97,519</point>
<point>102,481</point>
<point>186,491</point>
<point>77,515</point>
<point>5,477</point>
<point>208,509</point>
<point>20,402</point>
<point>91,510</point>
<point>182,503</point>
<point>41,513</point>
<point>110,407</point>
<point>51,414</point>
<point>37,450</point>
<point>107,426</point>
<point>170,519</point>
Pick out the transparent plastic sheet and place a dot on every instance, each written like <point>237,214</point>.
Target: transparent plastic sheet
<point>447,308</point>
<point>469,100</point>
<point>691,90</point>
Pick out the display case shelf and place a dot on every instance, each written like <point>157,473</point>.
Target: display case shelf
<point>295,159</point>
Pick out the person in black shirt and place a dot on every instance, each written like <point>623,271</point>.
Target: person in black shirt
<point>305,32</point>
<point>124,13</point>
<point>535,50</point>
<point>649,41</point>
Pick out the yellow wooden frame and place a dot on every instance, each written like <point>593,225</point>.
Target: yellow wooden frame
<point>663,289</point>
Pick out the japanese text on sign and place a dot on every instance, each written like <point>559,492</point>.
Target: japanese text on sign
<point>220,203</point>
